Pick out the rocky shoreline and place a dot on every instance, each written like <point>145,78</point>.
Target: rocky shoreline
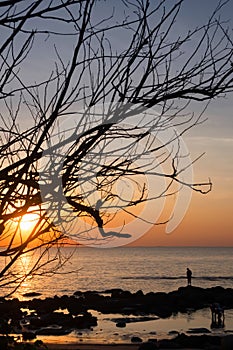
<point>61,315</point>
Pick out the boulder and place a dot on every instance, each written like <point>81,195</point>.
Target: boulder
<point>28,335</point>
<point>121,324</point>
<point>227,342</point>
<point>198,330</point>
<point>148,346</point>
<point>136,340</point>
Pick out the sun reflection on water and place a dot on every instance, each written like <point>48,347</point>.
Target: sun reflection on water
<point>23,267</point>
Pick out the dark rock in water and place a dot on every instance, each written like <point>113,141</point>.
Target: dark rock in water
<point>152,340</point>
<point>32,294</point>
<point>121,294</point>
<point>120,301</point>
<point>78,293</point>
<point>198,330</point>
<point>139,293</point>
<point>173,332</point>
<point>227,342</point>
<point>28,335</point>
<point>53,331</point>
<point>140,307</point>
<point>168,344</point>
<point>148,346</point>
<point>136,340</point>
<point>135,319</point>
<point>121,324</point>
<point>52,318</point>
<point>185,341</point>
<point>84,320</point>
<point>112,290</point>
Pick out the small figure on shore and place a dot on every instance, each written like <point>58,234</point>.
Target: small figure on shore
<point>189,276</point>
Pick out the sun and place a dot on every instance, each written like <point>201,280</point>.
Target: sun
<point>28,221</point>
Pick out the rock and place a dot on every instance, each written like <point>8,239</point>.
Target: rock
<point>4,341</point>
<point>121,324</point>
<point>84,321</point>
<point>52,318</point>
<point>152,340</point>
<point>135,319</point>
<point>129,310</point>
<point>227,342</point>
<point>148,346</point>
<point>136,340</point>
<point>198,330</point>
<point>168,344</point>
<point>67,321</point>
<point>28,335</point>
<point>139,293</point>
<point>31,294</point>
<point>78,293</point>
<point>120,301</point>
<point>173,332</point>
<point>113,290</point>
<point>193,341</point>
<point>140,307</point>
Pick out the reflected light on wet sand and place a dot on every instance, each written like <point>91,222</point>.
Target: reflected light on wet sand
<point>106,332</point>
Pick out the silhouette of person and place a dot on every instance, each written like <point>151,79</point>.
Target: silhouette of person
<point>217,316</point>
<point>189,276</point>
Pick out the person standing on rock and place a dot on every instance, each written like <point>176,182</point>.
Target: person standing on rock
<point>189,276</point>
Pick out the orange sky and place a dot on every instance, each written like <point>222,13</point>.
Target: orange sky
<point>208,222</point>
<point>209,219</point>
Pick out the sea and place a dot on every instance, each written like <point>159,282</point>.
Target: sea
<point>150,269</point>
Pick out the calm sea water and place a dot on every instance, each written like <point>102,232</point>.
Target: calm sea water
<point>149,269</point>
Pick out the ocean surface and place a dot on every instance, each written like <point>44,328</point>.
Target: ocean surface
<point>144,268</point>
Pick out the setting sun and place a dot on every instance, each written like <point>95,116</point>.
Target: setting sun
<point>28,221</point>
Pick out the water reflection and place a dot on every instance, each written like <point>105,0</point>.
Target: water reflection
<point>23,268</point>
<point>107,332</point>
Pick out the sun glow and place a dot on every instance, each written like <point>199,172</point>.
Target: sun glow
<point>28,222</point>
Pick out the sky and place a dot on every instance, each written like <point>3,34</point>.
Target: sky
<point>209,218</point>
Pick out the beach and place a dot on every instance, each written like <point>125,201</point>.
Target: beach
<point>72,322</point>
